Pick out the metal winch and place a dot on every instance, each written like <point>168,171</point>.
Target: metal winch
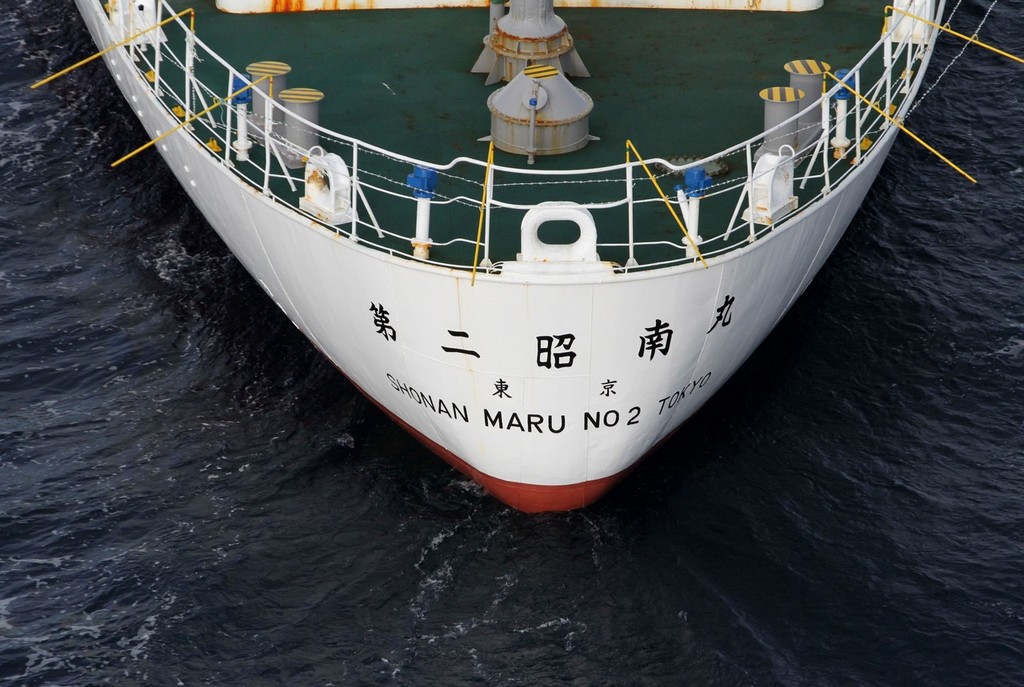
<point>540,113</point>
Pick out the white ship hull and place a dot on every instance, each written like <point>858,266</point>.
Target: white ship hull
<point>546,391</point>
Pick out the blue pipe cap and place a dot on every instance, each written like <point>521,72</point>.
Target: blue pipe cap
<point>846,77</point>
<point>243,98</point>
<point>423,182</point>
<point>697,181</point>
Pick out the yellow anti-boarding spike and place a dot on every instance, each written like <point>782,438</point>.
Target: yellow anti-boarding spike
<point>900,126</point>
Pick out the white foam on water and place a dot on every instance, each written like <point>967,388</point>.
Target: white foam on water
<point>172,261</point>
<point>468,486</point>
<point>174,265</point>
<point>90,631</point>
<point>40,661</point>
<point>1012,349</point>
<point>5,623</point>
<point>575,629</point>
<point>430,589</point>
<point>137,645</point>
<point>56,561</point>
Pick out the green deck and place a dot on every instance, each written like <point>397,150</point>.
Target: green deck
<point>675,82</point>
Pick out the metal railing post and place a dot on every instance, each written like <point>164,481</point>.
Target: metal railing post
<point>486,262</point>
<point>156,52</point>
<point>856,119</point>
<point>908,71</point>
<point>355,191</point>
<point>826,133</point>
<point>631,262</point>
<point>887,69</point>
<point>268,126</point>
<point>750,195</point>
<point>227,121</point>
<point>190,65</point>
<point>131,31</point>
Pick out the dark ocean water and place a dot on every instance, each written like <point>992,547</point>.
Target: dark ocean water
<point>190,494</point>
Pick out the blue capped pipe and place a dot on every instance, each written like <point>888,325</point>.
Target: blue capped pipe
<point>242,143</point>
<point>697,181</point>
<point>688,197</point>
<point>423,181</point>
<point>846,77</point>
<point>243,98</point>
<point>841,142</point>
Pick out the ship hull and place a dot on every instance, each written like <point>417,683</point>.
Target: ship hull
<point>546,391</point>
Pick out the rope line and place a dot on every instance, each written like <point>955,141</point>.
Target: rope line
<point>921,98</point>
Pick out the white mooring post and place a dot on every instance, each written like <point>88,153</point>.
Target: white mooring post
<point>841,141</point>
<point>697,182</point>
<point>241,102</point>
<point>423,181</point>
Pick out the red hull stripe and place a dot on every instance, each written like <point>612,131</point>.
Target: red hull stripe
<point>529,498</point>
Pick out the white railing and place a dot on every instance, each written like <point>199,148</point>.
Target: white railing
<point>375,171</point>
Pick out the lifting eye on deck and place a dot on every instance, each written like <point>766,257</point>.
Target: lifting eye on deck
<point>583,249</point>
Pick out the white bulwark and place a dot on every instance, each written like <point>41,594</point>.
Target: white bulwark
<point>264,6</point>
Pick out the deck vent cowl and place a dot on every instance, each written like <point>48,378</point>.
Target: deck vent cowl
<point>276,81</point>
<point>531,33</point>
<point>781,104</point>
<point>540,113</point>
<point>806,76</point>
<point>302,105</point>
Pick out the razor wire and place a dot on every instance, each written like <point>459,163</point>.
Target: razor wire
<point>949,66</point>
